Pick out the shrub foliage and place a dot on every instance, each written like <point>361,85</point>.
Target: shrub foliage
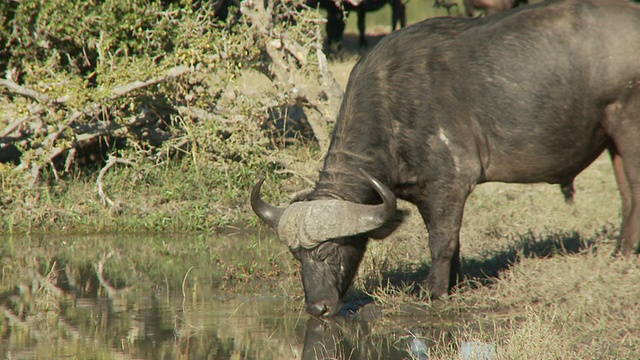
<point>86,85</point>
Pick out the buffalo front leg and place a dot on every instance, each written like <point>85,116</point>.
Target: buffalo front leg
<point>442,210</point>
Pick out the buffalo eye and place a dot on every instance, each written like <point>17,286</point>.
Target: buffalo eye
<point>326,251</point>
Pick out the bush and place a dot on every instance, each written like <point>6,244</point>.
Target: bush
<point>91,84</point>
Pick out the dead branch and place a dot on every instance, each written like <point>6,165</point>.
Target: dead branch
<point>328,81</point>
<point>23,91</point>
<point>35,175</point>
<point>93,108</point>
<point>285,72</point>
<point>110,163</point>
<point>16,123</point>
<point>297,51</point>
<point>71,157</point>
<point>136,85</point>
<point>80,132</point>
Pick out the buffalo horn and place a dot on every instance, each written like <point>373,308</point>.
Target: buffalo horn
<point>268,213</point>
<point>310,223</point>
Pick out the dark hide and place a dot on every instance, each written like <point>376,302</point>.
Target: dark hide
<point>336,11</point>
<point>528,95</point>
<point>221,9</point>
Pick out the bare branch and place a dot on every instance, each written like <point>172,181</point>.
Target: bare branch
<point>15,125</point>
<point>23,91</point>
<point>286,72</point>
<point>110,163</point>
<point>71,156</point>
<point>136,85</point>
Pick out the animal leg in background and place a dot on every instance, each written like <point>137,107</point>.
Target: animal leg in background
<point>362,12</point>
<point>335,24</point>
<point>398,14</point>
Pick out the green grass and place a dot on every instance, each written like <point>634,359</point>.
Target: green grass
<point>176,196</point>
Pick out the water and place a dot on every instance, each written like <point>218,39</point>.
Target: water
<point>157,327</point>
<point>175,297</point>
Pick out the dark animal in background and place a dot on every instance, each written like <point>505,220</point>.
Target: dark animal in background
<point>336,10</point>
<point>221,8</point>
<point>532,94</point>
<point>490,6</point>
<point>447,4</point>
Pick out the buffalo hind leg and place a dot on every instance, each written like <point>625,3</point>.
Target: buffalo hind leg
<point>621,179</point>
<point>623,126</point>
<point>625,193</point>
<point>442,210</point>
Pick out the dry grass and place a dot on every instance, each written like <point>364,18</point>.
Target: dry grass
<point>540,281</point>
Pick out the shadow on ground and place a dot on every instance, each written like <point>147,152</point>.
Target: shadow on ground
<point>486,270</point>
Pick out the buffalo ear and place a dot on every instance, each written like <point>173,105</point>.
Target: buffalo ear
<point>390,226</point>
<point>301,195</point>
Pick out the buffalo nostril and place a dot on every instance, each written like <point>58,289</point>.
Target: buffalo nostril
<point>317,309</point>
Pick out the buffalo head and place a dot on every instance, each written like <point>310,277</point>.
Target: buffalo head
<point>329,238</point>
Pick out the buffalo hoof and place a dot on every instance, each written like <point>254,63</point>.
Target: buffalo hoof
<point>318,309</point>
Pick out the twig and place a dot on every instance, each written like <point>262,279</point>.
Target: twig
<point>110,162</point>
<point>71,156</point>
<point>16,125</point>
<point>21,90</point>
<point>135,85</point>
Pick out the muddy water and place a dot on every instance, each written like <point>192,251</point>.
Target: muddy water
<point>216,328</point>
<point>111,298</point>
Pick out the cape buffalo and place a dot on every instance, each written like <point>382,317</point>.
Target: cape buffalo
<point>532,94</point>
